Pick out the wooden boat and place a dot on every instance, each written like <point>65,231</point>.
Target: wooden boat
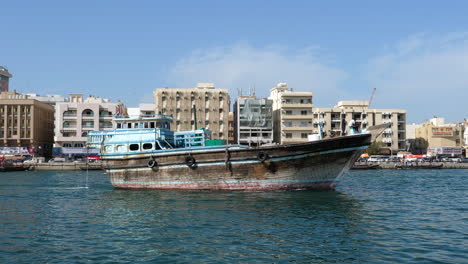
<point>12,163</point>
<point>365,166</point>
<point>151,156</point>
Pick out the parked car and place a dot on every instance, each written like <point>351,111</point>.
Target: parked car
<point>54,160</point>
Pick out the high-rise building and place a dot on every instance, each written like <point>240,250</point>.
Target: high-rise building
<point>4,79</point>
<point>77,116</point>
<point>292,114</point>
<point>25,124</point>
<point>338,119</point>
<point>193,108</point>
<point>253,121</point>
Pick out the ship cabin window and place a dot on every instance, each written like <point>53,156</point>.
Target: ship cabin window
<point>119,125</point>
<point>147,146</point>
<point>136,125</point>
<point>152,125</point>
<point>134,147</point>
<point>108,148</point>
<point>129,125</point>
<point>120,148</point>
<point>146,125</point>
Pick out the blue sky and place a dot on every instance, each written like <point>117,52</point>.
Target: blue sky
<point>414,52</point>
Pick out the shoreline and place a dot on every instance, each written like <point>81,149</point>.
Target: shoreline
<point>415,165</point>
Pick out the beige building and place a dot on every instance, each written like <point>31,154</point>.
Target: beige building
<point>77,116</point>
<point>26,123</point>
<point>337,121</point>
<point>231,128</point>
<point>202,107</point>
<point>439,134</point>
<point>292,114</point>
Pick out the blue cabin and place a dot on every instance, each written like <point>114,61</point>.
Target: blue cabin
<point>144,135</point>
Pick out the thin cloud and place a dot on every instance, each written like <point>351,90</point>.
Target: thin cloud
<point>243,66</point>
<point>424,74</point>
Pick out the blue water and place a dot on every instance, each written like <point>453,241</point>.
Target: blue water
<point>384,216</point>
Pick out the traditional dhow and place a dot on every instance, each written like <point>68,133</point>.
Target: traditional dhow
<point>145,153</point>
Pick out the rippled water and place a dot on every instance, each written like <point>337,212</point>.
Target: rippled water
<point>384,216</point>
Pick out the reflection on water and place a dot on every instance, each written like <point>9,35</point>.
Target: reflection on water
<point>373,217</point>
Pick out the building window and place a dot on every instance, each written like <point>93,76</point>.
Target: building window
<point>288,135</point>
<point>221,122</point>
<point>288,112</point>
<point>206,99</point>
<point>207,110</point>
<point>177,122</point>
<point>304,112</point>
<point>163,98</point>
<point>177,98</point>
<point>221,134</point>
<point>192,122</point>
<point>134,147</point>
<point>207,122</point>
<point>303,135</point>
<point>67,145</point>
<point>78,145</point>
<point>221,98</point>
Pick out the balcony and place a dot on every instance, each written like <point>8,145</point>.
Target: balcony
<point>106,116</point>
<point>87,116</point>
<point>298,128</point>
<point>69,127</point>
<point>308,106</point>
<point>296,117</point>
<point>87,128</point>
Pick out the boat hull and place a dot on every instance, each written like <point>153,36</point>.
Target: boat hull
<point>312,165</point>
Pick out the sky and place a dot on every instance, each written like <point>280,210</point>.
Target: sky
<point>414,52</point>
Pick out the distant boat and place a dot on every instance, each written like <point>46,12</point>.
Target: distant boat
<point>365,166</point>
<point>12,163</point>
<point>144,153</point>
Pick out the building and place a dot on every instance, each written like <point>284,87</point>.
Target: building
<point>253,121</point>
<point>338,118</point>
<point>49,99</point>
<point>4,79</point>
<point>231,128</point>
<point>192,108</point>
<point>76,117</point>
<point>142,110</point>
<point>26,125</point>
<point>292,114</point>
<point>439,134</point>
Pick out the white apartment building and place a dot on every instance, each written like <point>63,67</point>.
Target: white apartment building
<point>77,116</point>
<point>337,119</point>
<point>292,114</point>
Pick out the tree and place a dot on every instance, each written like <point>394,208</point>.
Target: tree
<point>374,148</point>
<point>420,146</point>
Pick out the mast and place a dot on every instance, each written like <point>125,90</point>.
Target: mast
<point>195,116</point>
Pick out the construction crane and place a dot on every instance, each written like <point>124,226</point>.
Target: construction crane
<point>372,97</point>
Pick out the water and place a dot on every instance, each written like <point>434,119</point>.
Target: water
<point>384,216</point>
